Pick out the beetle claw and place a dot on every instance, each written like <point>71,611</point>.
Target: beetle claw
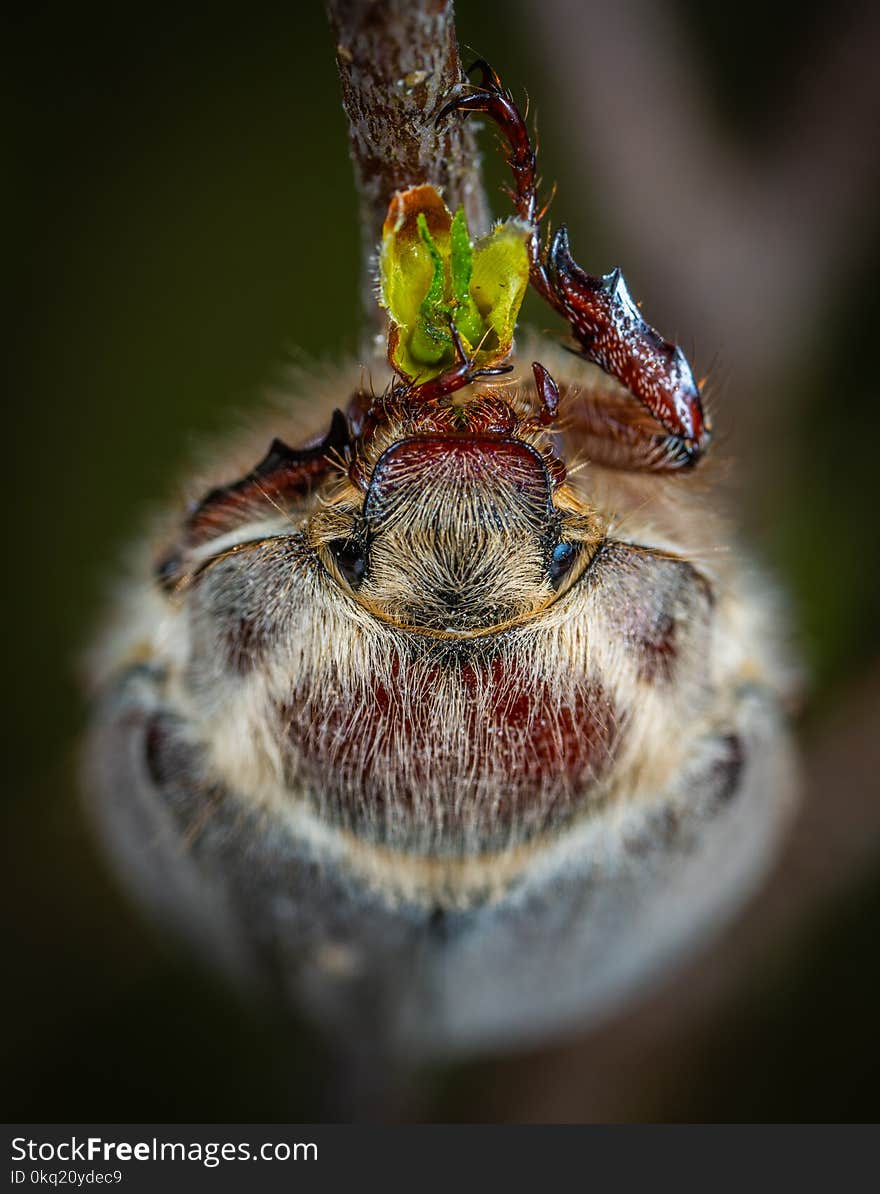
<point>489,79</point>
<point>493,371</point>
<point>604,320</point>
<point>468,101</point>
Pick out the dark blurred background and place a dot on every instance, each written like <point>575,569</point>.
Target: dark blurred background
<point>182,226</point>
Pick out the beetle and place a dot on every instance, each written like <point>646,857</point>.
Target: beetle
<point>457,723</point>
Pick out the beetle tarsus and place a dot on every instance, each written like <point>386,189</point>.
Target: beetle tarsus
<point>461,374</point>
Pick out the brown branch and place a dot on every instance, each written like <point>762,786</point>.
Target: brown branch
<point>397,61</point>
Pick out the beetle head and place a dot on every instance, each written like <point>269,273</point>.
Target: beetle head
<point>456,528</point>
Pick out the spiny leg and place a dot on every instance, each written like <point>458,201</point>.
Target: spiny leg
<point>608,325</point>
<point>614,431</point>
<point>602,316</point>
<point>461,374</point>
<point>365,410</point>
<point>492,99</point>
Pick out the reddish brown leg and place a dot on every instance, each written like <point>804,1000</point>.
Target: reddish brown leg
<point>284,474</point>
<point>611,429</point>
<point>460,375</point>
<point>602,316</point>
<point>609,327</point>
<point>365,414</point>
<point>491,98</point>
<point>615,433</point>
<point>365,411</point>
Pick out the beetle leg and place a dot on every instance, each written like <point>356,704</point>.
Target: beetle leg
<point>612,334</point>
<point>491,98</point>
<point>613,430</point>
<point>617,434</point>
<point>284,474</point>
<point>460,375</point>
<point>603,318</point>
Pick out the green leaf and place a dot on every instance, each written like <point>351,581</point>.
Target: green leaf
<point>431,275</point>
<point>499,280</point>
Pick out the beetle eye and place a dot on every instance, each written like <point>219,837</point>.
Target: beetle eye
<point>350,558</point>
<point>561,561</point>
